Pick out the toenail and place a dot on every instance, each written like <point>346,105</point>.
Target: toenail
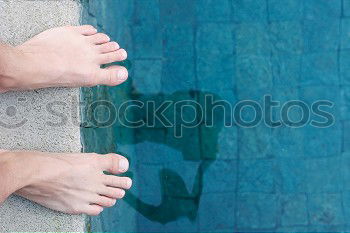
<point>123,165</point>
<point>122,75</point>
<point>123,53</point>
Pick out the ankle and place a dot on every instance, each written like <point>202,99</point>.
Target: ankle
<point>9,70</point>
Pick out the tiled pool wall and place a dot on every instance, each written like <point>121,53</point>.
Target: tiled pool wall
<point>230,178</point>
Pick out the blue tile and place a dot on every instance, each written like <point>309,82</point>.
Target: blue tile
<point>220,177</point>
<point>321,35</point>
<point>323,175</point>
<point>253,71</point>
<point>253,39</point>
<point>214,10</point>
<point>346,8</point>
<point>344,67</point>
<point>228,143</point>
<point>325,209</point>
<point>215,38</point>
<point>345,165</point>
<point>146,12</point>
<point>149,185</point>
<point>319,143</point>
<point>285,10</point>
<point>345,104</point>
<point>322,9</point>
<point>147,41</point>
<point>177,12</point>
<point>255,142</point>
<point>256,211</point>
<point>346,136</point>
<point>293,209</point>
<point>181,69</point>
<point>293,175</point>
<point>286,37</point>
<point>320,69</point>
<point>287,142</point>
<point>345,34</point>
<point>250,10</point>
<point>215,72</point>
<point>147,76</point>
<point>256,176</point>
<point>217,211</point>
<point>286,69</point>
<point>178,40</point>
<point>346,206</point>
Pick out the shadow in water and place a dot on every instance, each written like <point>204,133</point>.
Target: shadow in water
<point>176,200</point>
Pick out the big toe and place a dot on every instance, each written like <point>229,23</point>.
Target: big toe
<point>111,76</point>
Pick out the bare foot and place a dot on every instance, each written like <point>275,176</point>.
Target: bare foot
<point>69,183</point>
<point>68,56</point>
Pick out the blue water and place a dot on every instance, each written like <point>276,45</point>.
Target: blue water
<point>266,170</point>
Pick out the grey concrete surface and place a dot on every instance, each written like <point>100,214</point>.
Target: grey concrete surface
<point>24,119</point>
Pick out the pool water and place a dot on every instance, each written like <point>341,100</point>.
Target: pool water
<point>251,132</point>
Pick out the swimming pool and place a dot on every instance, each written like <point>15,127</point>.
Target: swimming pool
<point>235,116</point>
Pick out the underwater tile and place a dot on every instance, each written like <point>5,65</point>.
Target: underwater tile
<point>344,67</point>
<point>255,142</point>
<point>323,175</point>
<point>253,39</point>
<point>345,33</point>
<point>215,72</point>
<point>215,38</point>
<point>293,175</point>
<point>285,10</point>
<point>228,143</point>
<point>178,40</point>
<point>346,205</point>
<point>286,69</point>
<point>220,176</point>
<point>250,10</point>
<point>256,176</point>
<point>325,209</point>
<point>320,69</point>
<point>177,12</point>
<point>178,74</point>
<point>287,142</point>
<point>346,8</point>
<point>346,137</point>
<point>319,143</point>
<point>321,35</point>
<point>294,210</point>
<point>147,41</point>
<point>150,184</point>
<point>146,12</point>
<point>322,9</point>
<point>217,211</point>
<point>253,71</point>
<point>286,37</point>
<point>147,76</point>
<point>256,211</point>
<point>213,10</point>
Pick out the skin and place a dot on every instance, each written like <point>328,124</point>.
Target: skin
<point>70,183</point>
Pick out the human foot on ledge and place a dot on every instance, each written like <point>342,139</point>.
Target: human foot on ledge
<point>69,183</point>
<point>69,56</point>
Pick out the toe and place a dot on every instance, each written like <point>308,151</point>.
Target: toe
<point>105,201</point>
<point>119,55</point>
<point>93,210</point>
<point>99,38</point>
<point>86,30</point>
<point>108,47</point>
<point>111,76</point>
<point>114,193</point>
<point>118,182</point>
<point>113,163</point>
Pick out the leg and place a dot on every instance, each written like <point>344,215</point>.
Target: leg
<point>70,183</point>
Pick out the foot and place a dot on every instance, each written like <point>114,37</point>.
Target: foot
<point>69,183</point>
<point>68,56</point>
